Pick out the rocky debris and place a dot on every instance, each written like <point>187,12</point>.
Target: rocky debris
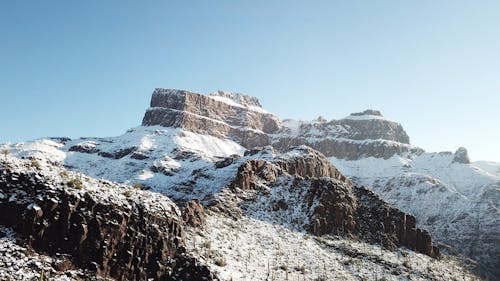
<point>203,114</point>
<point>123,239</point>
<point>461,156</point>
<point>193,213</point>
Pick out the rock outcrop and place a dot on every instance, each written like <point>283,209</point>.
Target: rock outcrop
<point>364,134</point>
<point>193,213</point>
<point>461,156</point>
<point>389,225</point>
<point>241,118</point>
<point>333,204</point>
<point>112,231</point>
<point>310,163</point>
<point>235,116</point>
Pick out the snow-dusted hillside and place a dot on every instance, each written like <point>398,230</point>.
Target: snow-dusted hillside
<point>252,249</point>
<point>195,147</point>
<point>458,202</point>
<point>488,166</point>
<point>156,158</point>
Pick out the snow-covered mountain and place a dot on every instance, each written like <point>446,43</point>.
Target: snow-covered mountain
<point>275,209</point>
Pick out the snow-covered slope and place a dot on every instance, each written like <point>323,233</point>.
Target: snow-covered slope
<point>488,166</point>
<point>459,203</point>
<point>252,249</point>
<point>155,158</point>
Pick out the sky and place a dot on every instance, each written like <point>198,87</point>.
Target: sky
<point>88,68</point>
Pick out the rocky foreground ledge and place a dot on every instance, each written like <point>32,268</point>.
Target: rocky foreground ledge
<point>111,230</point>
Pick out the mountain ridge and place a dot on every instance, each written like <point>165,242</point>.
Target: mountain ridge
<point>208,138</point>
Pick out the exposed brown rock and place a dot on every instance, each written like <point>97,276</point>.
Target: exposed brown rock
<point>399,228</point>
<point>334,204</point>
<point>193,213</point>
<point>336,208</point>
<point>344,139</point>
<point>125,242</point>
<point>345,148</point>
<point>202,114</point>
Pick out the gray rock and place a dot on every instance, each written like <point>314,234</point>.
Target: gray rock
<point>461,156</point>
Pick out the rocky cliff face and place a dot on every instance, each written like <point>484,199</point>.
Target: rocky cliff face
<point>363,134</point>
<point>241,118</point>
<point>221,114</point>
<point>114,232</point>
<point>331,203</point>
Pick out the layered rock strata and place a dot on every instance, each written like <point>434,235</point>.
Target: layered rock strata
<point>198,113</point>
<point>241,118</point>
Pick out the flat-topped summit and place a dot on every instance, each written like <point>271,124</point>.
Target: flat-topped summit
<point>221,114</point>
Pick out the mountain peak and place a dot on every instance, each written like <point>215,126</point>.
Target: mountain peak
<point>221,114</point>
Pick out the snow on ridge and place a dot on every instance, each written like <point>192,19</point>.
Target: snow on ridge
<point>238,100</point>
<point>490,167</point>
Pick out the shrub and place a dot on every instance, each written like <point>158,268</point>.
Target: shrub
<point>220,261</point>
<point>64,175</point>
<point>138,186</point>
<point>75,183</point>
<point>35,164</point>
<point>300,268</point>
<point>5,153</point>
<point>207,244</point>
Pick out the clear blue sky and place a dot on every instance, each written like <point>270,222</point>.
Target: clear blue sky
<point>87,68</point>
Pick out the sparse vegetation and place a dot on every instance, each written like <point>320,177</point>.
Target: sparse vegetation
<point>220,261</point>
<point>207,244</point>
<point>138,186</point>
<point>64,175</point>
<point>75,183</point>
<point>35,164</point>
<point>300,268</point>
<point>127,193</point>
<point>5,153</point>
